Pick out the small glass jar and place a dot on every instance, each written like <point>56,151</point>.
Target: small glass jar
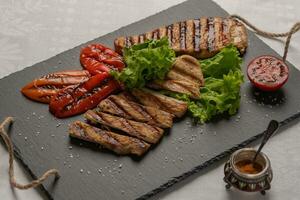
<point>258,182</point>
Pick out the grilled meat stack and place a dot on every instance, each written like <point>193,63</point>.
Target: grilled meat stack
<point>201,38</point>
<point>128,123</point>
<point>184,77</point>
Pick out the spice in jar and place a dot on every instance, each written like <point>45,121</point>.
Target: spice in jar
<point>247,167</point>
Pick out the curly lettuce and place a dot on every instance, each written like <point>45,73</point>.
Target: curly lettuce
<point>144,62</point>
<point>222,63</point>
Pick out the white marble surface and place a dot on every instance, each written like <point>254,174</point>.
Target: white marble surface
<point>34,30</point>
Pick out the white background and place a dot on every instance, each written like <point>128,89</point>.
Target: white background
<point>34,30</point>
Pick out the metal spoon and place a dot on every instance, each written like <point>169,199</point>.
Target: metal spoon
<point>272,128</point>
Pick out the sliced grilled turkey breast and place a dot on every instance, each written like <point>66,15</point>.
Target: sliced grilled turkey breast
<point>201,38</point>
<point>184,77</point>
<point>121,106</point>
<point>120,144</point>
<point>140,130</point>
<point>179,86</point>
<point>154,99</point>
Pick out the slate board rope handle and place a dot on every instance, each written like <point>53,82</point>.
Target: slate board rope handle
<point>294,29</point>
<point>7,122</point>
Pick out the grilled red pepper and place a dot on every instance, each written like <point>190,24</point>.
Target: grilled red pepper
<point>77,99</point>
<point>42,89</point>
<point>97,58</point>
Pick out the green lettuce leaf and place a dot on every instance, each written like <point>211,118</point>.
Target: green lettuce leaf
<point>148,61</point>
<point>222,63</point>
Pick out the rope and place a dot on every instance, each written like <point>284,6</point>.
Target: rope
<point>7,122</point>
<point>294,29</point>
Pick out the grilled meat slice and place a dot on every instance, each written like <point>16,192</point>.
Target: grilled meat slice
<point>188,67</point>
<point>121,106</point>
<point>159,101</point>
<point>180,86</point>
<point>185,77</point>
<point>140,130</point>
<point>120,144</point>
<point>202,38</point>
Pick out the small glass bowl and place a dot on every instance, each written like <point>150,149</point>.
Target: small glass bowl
<point>259,182</point>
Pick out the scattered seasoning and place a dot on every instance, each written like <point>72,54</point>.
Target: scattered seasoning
<point>166,159</point>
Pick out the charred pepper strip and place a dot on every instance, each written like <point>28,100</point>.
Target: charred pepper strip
<point>77,99</point>
<point>43,88</point>
<point>97,58</point>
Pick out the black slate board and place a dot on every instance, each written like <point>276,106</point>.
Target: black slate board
<point>42,142</point>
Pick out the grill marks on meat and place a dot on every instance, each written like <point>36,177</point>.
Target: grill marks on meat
<point>179,86</point>
<point>122,107</point>
<point>202,38</point>
<point>140,130</point>
<point>120,144</point>
<point>159,101</point>
<point>190,68</point>
<point>185,77</point>
<point>137,117</point>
